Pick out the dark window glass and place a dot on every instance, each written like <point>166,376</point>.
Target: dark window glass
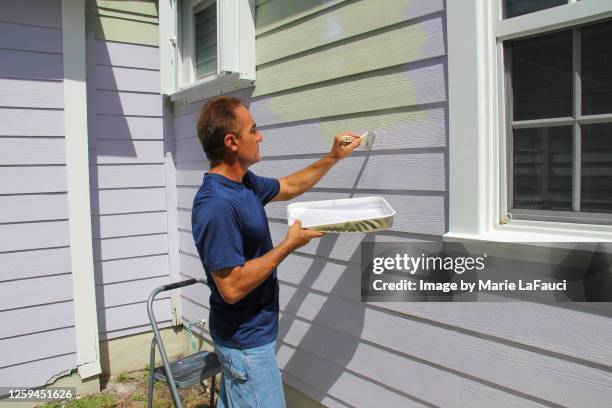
<point>597,69</point>
<point>515,8</point>
<point>542,77</point>
<point>596,194</point>
<point>542,168</point>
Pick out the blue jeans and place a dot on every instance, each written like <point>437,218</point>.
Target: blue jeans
<point>249,378</point>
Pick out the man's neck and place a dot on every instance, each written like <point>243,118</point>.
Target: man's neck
<point>234,171</point>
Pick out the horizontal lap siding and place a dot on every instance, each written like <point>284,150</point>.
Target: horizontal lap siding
<point>127,185</point>
<point>133,22</point>
<point>381,66</point>
<point>351,335</point>
<point>342,23</point>
<point>37,340</point>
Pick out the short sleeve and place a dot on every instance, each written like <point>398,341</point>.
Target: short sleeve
<point>265,188</point>
<point>217,235</point>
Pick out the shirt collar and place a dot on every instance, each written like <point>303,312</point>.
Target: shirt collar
<point>224,180</point>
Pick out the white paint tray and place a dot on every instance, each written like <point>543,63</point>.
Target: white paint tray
<point>364,214</point>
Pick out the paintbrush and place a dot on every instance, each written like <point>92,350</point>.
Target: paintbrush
<point>369,140</point>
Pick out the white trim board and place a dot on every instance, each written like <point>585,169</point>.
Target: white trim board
<point>77,175</point>
<point>555,18</point>
<point>477,120</point>
<point>235,49</point>
<point>167,45</point>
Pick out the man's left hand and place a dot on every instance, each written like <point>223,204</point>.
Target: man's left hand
<point>341,149</point>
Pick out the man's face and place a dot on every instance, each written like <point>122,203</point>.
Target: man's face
<point>248,142</point>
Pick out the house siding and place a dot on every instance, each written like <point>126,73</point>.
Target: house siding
<point>128,183</point>
<point>324,67</point>
<point>37,339</point>
<point>134,22</point>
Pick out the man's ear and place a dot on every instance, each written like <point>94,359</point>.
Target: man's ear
<point>230,141</point>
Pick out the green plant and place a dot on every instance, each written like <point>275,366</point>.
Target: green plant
<point>89,401</point>
<point>51,405</point>
<point>123,377</point>
<point>138,397</point>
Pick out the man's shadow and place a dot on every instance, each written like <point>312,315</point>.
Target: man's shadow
<point>317,349</point>
<point>332,335</point>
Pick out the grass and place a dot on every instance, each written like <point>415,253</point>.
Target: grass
<point>122,378</point>
<point>129,390</point>
<point>90,401</point>
<point>139,397</point>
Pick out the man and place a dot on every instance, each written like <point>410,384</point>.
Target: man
<point>231,233</point>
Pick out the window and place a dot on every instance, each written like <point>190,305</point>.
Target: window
<point>530,120</point>
<point>205,31</point>
<point>559,101</point>
<point>514,8</point>
<point>207,47</point>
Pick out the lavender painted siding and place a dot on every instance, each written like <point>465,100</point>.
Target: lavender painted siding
<point>127,185</point>
<point>37,338</point>
<point>331,346</point>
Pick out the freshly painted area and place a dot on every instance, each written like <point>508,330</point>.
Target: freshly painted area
<point>347,20</point>
<point>388,47</point>
<point>134,22</point>
<point>404,85</point>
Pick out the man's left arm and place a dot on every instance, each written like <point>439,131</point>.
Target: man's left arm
<point>303,180</point>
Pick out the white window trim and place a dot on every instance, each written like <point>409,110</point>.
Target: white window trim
<point>236,63</point>
<point>477,120</point>
<point>187,73</point>
<point>167,45</point>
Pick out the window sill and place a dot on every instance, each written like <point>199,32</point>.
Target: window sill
<point>538,231</point>
<point>212,86</point>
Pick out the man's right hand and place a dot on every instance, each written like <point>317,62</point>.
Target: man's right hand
<point>298,237</point>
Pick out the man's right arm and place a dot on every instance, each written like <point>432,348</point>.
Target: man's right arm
<point>236,282</point>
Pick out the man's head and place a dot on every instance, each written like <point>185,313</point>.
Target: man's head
<point>228,133</point>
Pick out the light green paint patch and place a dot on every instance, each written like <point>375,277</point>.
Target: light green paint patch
<point>388,127</point>
<point>360,94</point>
<point>355,18</point>
<point>133,17</point>
<point>113,29</point>
<point>274,13</point>
<point>145,7</point>
<point>399,46</point>
<point>126,21</point>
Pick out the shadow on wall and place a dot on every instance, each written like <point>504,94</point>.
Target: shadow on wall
<point>335,348</point>
<point>111,144</point>
<point>96,149</point>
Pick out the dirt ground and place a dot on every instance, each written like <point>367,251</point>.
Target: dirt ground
<point>129,390</point>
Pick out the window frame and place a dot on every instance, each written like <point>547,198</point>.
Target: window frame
<point>479,125</point>
<point>188,45</point>
<point>575,121</point>
<point>235,49</point>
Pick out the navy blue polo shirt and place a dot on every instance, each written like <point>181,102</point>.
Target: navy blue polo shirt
<point>230,227</point>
